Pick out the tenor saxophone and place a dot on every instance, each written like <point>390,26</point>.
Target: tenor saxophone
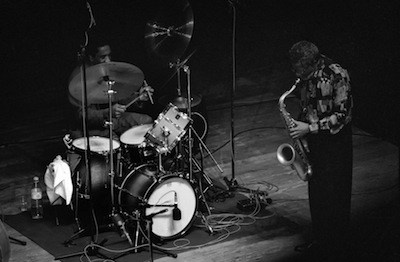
<point>294,154</point>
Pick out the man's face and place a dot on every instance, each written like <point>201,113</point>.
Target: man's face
<point>103,55</point>
<point>302,71</point>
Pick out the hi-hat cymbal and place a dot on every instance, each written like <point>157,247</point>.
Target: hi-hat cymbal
<point>180,101</point>
<point>128,79</point>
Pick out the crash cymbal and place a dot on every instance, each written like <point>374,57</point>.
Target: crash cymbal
<point>128,79</point>
<point>180,101</point>
<point>168,33</point>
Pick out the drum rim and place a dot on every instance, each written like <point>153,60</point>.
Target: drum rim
<point>129,174</point>
<point>122,137</point>
<point>116,143</point>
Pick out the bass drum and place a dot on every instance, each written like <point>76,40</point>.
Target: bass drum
<point>144,186</point>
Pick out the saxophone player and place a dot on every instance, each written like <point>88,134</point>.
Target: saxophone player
<point>326,103</point>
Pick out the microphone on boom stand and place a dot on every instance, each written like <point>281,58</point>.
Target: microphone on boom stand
<point>120,224</point>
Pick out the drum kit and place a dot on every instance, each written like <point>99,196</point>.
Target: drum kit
<point>149,177</point>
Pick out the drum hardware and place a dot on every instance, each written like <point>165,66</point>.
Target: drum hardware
<point>148,219</point>
<point>140,211</point>
<point>190,157</point>
<point>111,92</point>
<point>175,31</point>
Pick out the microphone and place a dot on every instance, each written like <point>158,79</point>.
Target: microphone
<point>120,224</point>
<point>176,212</point>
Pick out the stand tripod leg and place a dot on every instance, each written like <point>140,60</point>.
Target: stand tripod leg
<point>206,148</point>
<point>93,251</point>
<point>148,236</point>
<point>208,226</point>
<point>20,242</point>
<point>151,247</point>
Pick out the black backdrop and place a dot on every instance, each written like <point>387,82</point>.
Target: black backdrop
<point>40,39</point>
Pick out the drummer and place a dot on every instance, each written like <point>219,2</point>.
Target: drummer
<point>98,114</point>
<point>123,118</point>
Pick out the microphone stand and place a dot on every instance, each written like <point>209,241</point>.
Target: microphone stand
<point>87,195</point>
<point>232,183</point>
<point>149,224</point>
<point>88,191</point>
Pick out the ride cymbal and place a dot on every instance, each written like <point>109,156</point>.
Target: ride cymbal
<point>127,80</point>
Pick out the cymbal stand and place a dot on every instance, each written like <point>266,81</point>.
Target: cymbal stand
<point>191,130</point>
<point>186,69</point>
<point>88,189</point>
<point>191,159</point>
<point>109,123</point>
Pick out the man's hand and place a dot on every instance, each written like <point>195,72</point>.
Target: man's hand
<point>301,129</point>
<point>118,110</point>
<point>145,93</point>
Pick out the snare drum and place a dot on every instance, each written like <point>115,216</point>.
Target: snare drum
<point>169,128</point>
<point>135,147</point>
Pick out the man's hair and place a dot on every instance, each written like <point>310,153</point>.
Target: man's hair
<point>304,52</point>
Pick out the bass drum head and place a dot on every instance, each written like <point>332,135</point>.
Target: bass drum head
<point>172,190</point>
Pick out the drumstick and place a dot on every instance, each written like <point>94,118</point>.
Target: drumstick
<point>137,98</point>
<point>148,92</point>
<point>133,101</point>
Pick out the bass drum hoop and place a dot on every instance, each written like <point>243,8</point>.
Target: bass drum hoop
<point>148,185</point>
<point>152,187</point>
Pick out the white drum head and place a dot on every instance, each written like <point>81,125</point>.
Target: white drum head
<point>97,144</point>
<point>135,135</point>
<point>174,190</point>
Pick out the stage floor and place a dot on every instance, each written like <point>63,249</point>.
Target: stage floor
<point>258,132</point>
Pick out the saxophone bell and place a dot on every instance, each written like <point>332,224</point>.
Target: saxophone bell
<point>286,154</point>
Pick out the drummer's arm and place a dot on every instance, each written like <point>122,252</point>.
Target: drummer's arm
<point>95,117</point>
<point>141,97</point>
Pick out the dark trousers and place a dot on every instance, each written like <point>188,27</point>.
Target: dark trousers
<point>329,189</point>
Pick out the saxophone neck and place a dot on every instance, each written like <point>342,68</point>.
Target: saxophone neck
<point>288,92</point>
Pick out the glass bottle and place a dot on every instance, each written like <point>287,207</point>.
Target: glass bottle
<point>24,204</point>
<point>36,200</point>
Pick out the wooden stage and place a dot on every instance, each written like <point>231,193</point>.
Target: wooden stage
<point>258,132</point>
